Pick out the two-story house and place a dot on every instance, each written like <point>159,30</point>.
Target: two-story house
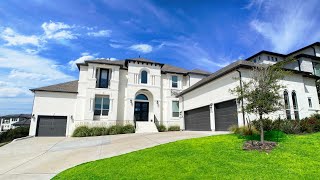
<point>132,91</point>
<point>7,122</point>
<point>144,92</point>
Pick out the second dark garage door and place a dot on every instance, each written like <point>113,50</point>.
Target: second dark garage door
<point>51,126</point>
<point>198,119</point>
<point>225,115</point>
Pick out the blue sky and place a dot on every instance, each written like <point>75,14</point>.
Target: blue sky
<point>41,41</point>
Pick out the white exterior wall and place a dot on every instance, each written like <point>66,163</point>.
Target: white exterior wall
<point>53,104</point>
<point>218,91</point>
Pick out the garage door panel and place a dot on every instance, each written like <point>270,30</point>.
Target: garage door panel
<point>198,119</point>
<point>226,115</point>
<point>51,126</point>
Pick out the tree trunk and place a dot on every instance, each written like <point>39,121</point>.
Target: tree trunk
<point>261,130</point>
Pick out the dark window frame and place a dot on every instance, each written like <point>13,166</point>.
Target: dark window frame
<point>295,105</point>
<point>100,83</point>
<point>287,104</point>
<point>310,102</point>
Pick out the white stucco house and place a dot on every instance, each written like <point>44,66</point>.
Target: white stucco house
<point>144,93</point>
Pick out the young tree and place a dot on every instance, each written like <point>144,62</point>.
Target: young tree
<point>261,93</point>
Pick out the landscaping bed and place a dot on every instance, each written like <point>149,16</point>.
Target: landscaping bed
<point>215,157</point>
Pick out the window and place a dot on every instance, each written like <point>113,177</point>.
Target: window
<point>287,104</point>
<point>254,60</point>
<point>175,108</point>
<point>316,68</point>
<point>144,77</point>
<point>295,105</point>
<point>101,106</point>
<point>141,97</point>
<point>310,102</point>
<point>103,78</point>
<point>174,80</point>
<point>271,58</point>
<point>259,58</point>
<point>276,59</point>
<point>268,57</point>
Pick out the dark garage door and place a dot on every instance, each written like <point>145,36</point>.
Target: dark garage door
<point>52,126</point>
<point>198,119</point>
<point>225,115</point>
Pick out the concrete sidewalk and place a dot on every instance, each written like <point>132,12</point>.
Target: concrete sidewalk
<point>44,157</point>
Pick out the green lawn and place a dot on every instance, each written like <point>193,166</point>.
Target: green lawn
<point>215,157</point>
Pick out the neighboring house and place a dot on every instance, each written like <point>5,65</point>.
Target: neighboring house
<point>143,92</point>
<point>9,121</point>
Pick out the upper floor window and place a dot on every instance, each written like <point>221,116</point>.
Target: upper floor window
<point>295,105</point>
<point>316,68</point>
<point>103,78</point>
<point>144,77</point>
<point>174,81</point>
<point>175,108</point>
<point>287,104</point>
<point>101,106</point>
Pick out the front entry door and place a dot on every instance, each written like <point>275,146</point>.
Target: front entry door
<point>141,111</point>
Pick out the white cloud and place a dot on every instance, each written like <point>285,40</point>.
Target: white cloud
<point>14,39</point>
<point>21,71</point>
<point>84,56</point>
<point>11,92</point>
<point>113,45</point>
<point>58,30</point>
<point>101,33</point>
<point>143,48</point>
<point>287,24</point>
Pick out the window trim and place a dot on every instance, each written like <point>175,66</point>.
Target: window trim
<point>172,112</point>
<point>295,105</point>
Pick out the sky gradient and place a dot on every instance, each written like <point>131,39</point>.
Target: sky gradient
<point>41,41</point>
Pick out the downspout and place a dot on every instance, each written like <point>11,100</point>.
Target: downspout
<point>314,51</point>
<point>242,108</point>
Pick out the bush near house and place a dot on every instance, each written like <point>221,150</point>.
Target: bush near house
<point>307,125</point>
<point>12,134</point>
<point>174,128</point>
<point>84,131</point>
<point>161,128</point>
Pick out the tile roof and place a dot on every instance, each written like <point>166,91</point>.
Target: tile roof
<point>67,87</point>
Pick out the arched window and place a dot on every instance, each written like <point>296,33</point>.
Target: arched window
<point>144,77</point>
<point>141,97</point>
<point>295,105</point>
<point>287,104</point>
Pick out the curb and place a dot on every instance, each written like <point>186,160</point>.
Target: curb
<point>22,138</point>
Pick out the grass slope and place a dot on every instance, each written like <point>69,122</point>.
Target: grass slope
<point>215,157</point>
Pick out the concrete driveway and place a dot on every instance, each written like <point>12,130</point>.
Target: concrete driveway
<point>44,157</point>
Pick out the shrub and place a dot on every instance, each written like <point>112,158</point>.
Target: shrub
<point>267,124</point>
<point>98,131</point>
<point>115,129</point>
<point>244,130</point>
<point>82,131</point>
<point>161,128</point>
<point>290,126</point>
<point>12,134</point>
<point>174,128</point>
<point>128,129</point>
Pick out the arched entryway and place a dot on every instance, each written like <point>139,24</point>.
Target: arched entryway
<point>141,108</point>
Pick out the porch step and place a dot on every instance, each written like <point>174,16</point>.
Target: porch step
<point>146,127</point>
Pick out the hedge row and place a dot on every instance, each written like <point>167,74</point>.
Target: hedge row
<point>162,128</point>
<point>12,134</point>
<point>307,125</point>
<point>84,131</point>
